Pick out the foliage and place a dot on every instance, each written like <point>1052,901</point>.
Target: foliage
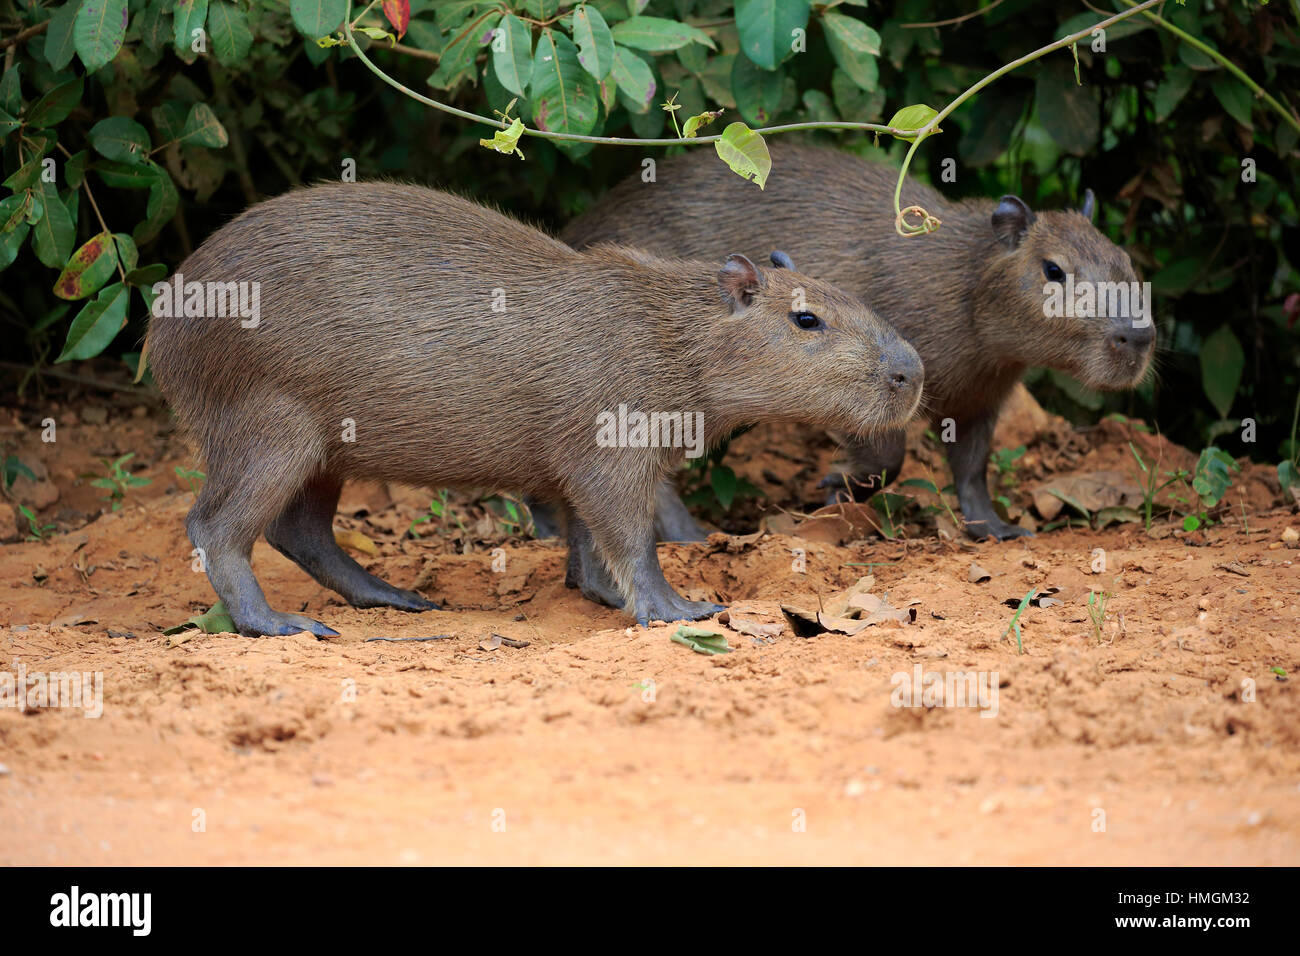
<point>133,128</point>
<point>118,480</point>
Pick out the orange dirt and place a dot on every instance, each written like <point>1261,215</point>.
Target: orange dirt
<point>600,743</point>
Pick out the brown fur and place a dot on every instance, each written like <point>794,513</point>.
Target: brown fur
<point>972,306</point>
<point>376,304</point>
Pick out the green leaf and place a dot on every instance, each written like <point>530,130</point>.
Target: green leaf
<point>745,152</point>
<point>163,200</point>
<point>595,42</point>
<point>758,92</point>
<point>563,93</point>
<point>89,268</point>
<point>97,324</point>
<point>11,94</point>
<point>154,24</point>
<point>512,57</point>
<point>228,26</point>
<point>202,128</point>
<point>317,18</point>
<point>146,275</point>
<point>98,32</point>
<point>53,108</point>
<point>1222,362</point>
<point>506,140</point>
<point>1234,97</point>
<point>54,232</point>
<point>766,28</point>
<point>11,243</point>
<point>216,620</point>
<point>1177,81</point>
<point>120,138</point>
<point>188,16</point>
<point>26,176</point>
<point>636,81</point>
<point>127,253</point>
<point>913,117</point>
<point>695,123</point>
<point>1288,475</point>
<point>458,57</point>
<point>723,481</point>
<point>122,176</point>
<point>702,641</point>
<point>657,35</point>
<point>59,45</point>
<point>1070,113</point>
<point>855,46</point>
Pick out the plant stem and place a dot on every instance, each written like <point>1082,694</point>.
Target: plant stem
<point>930,127</point>
<point>1216,56</point>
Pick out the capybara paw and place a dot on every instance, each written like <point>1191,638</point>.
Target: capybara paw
<point>277,624</point>
<point>998,528</point>
<point>676,609</point>
<point>405,600</point>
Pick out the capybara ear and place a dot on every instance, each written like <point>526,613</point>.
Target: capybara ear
<point>1089,204</point>
<point>1011,220</point>
<point>781,260</point>
<point>739,280</point>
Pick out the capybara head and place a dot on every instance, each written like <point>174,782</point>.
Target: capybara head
<point>815,353</point>
<point>1059,293</point>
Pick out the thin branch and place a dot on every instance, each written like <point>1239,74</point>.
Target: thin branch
<point>25,35</point>
<point>955,20</point>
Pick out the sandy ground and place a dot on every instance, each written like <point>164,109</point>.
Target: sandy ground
<point>1165,737</point>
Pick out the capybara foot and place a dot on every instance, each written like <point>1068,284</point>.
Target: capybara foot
<point>389,596</point>
<point>996,527</point>
<point>279,624</point>
<point>674,607</point>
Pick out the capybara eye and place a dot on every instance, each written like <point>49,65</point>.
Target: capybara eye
<point>1053,272</point>
<point>806,320</point>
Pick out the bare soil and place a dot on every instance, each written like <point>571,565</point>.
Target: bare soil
<point>1162,737</point>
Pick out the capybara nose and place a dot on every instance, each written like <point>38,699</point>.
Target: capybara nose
<point>1132,338</point>
<point>903,367</point>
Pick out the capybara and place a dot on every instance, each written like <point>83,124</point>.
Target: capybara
<point>970,297</point>
<point>409,335</point>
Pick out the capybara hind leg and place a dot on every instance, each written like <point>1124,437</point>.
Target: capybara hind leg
<point>231,574</point>
<point>304,533</point>
<point>672,521</point>
<point>627,543</point>
<point>251,476</point>
<point>873,462</point>
<point>586,571</point>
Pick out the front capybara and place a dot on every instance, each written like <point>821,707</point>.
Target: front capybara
<point>970,297</point>
<point>409,335</point>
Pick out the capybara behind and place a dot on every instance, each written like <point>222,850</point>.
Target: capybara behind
<point>970,297</point>
<point>409,335</point>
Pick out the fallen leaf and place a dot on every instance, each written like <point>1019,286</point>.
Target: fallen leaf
<point>702,641</point>
<point>347,538</point>
<point>977,575</point>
